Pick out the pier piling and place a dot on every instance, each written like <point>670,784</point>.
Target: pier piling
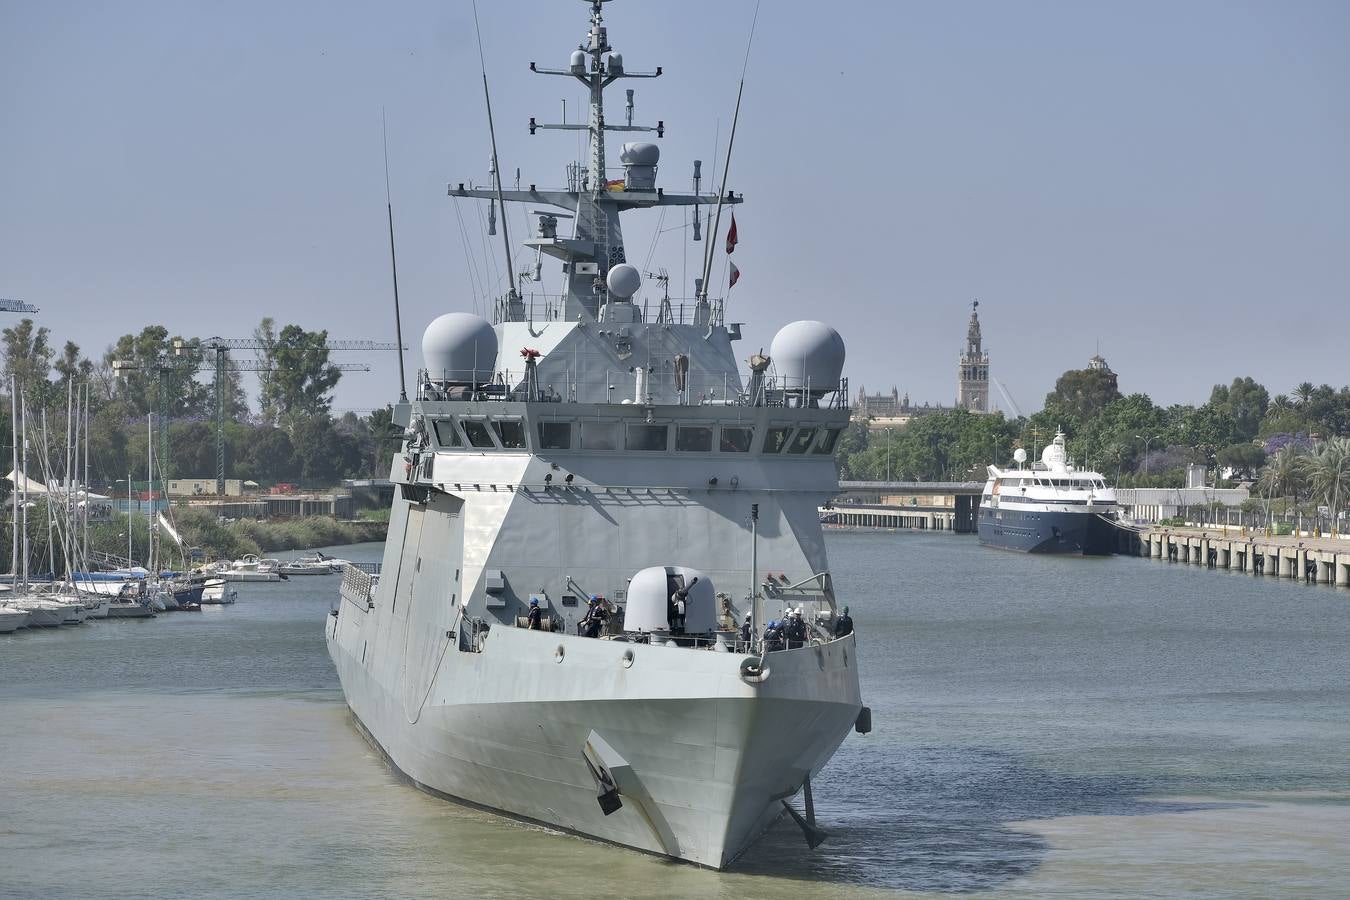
<point>1311,558</point>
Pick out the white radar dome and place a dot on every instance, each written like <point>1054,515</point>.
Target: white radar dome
<point>623,281</point>
<point>808,354</point>
<point>459,348</point>
<point>1019,455</point>
<point>649,600</point>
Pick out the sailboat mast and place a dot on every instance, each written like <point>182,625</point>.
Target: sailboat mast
<point>85,531</point>
<point>23,427</point>
<point>150,490</point>
<point>14,494</point>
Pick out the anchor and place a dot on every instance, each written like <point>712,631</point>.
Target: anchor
<point>814,836</point>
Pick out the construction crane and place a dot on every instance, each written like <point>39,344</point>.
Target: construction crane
<point>16,306</point>
<point>222,346</point>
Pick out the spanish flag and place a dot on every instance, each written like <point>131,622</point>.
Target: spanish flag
<point>616,185</point>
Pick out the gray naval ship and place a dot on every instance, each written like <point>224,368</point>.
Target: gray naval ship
<point>598,467</point>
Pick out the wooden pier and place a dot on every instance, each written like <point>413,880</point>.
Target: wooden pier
<point>1315,559</point>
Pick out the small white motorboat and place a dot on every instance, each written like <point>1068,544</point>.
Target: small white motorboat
<point>12,619</point>
<point>217,592</point>
<point>251,568</point>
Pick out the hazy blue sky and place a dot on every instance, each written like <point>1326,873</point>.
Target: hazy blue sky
<point>1170,179</point>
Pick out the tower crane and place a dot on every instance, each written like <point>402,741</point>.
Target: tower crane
<point>222,346</point>
<point>16,306</point>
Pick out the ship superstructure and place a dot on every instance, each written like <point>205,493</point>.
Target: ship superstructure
<point>1049,507</point>
<point>598,461</point>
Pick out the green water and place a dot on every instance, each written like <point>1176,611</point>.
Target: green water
<point>1071,727</point>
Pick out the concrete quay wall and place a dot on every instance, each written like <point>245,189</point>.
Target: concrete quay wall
<point>1324,561</point>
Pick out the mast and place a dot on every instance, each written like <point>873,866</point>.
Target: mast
<point>85,535</point>
<point>150,490</point>
<point>14,462</point>
<point>47,498</point>
<point>23,426</point>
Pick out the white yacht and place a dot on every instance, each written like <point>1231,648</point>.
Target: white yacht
<point>596,448</point>
<point>1050,507</point>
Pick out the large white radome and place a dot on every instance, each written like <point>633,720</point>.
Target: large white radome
<point>459,348</point>
<point>808,354</point>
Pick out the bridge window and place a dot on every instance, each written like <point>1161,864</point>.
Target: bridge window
<point>510,432</point>
<point>646,437</point>
<point>447,435</point>
<point>776,439</point>
<point>555,435</point>
<point>477,433</point>
<point>825,443</point>
<point>693,438</point>
<point>734,439</point>
<point>801,440</point>
<point>600,435</point>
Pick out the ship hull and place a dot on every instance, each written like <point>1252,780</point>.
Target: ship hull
<point>1070,533</point>
<point>703,757</point>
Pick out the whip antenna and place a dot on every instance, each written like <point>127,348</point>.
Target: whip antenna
<point>512,296</point>
<point>726,166</point>
<point>393,262</point>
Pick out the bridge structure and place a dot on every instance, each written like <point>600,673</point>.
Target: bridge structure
<point>918,505</point>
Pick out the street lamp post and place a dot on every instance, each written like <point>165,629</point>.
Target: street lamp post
<point>1147,441</point>
<point>888,454</point>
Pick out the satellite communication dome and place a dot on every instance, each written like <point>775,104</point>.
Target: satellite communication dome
<point>808,354</point>
<point>459,348</point>
<point>623,281</point>
<point>1019,455</point>
<point>578,62</point>
<point>649,597</point>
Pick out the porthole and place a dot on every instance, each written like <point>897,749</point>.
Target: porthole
<point>627,659</point>
<point>559,653</point>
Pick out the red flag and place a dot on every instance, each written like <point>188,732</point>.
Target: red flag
<point>735,274</point>
<point>731,234</point>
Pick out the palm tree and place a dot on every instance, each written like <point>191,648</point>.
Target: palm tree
<point>1281,402</point>
<point>1304,394</point>
<point>1330,474</point>
<point>1285,474</point>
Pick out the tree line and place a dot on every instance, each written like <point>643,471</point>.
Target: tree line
<point>1242,431</point>
<point>289,433</point>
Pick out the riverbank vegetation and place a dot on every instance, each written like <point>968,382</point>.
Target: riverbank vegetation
<point>1294,446</point>
<point>289,435</point>
<point>204,537</point>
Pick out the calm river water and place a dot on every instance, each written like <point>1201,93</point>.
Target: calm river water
<point>1042,726</point>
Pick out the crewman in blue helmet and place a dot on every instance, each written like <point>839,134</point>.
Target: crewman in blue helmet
<point>535,619</point>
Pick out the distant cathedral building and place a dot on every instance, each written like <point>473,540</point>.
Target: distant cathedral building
<point>891,410</point>
<point>973,371</point>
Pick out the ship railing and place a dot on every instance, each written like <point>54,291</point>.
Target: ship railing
<point>662,386</point>
<point>549,307</point>
<point>358,587</point>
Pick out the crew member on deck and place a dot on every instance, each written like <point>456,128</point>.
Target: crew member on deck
<point>534,619</point>
<point>678,604</point>
<point>745,629</point>
<point>843,625</point>
<point>595,617</point>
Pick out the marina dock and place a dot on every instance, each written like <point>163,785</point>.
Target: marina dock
<point>1324,560</point>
